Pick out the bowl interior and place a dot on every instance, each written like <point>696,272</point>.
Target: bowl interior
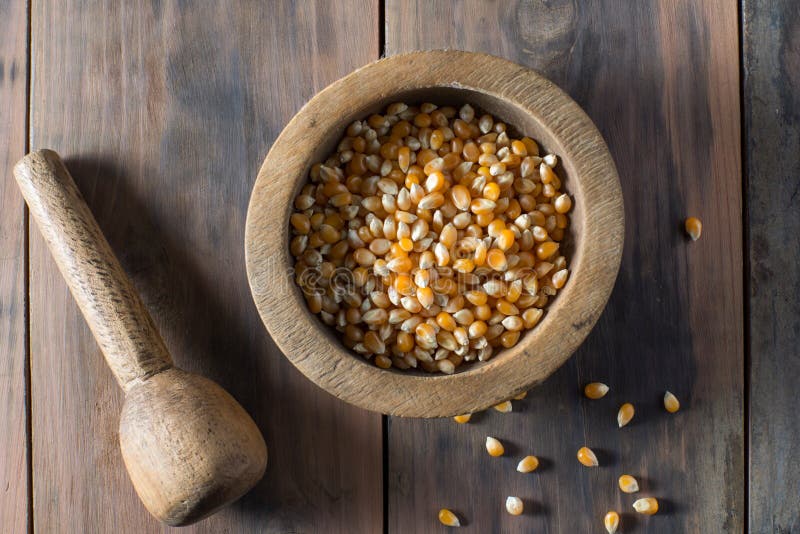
<point>519,122</point>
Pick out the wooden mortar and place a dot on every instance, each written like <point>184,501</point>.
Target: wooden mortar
<point>189,447</point>
<point>527,102</point>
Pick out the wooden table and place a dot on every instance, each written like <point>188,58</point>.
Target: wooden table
<point>164,112</point>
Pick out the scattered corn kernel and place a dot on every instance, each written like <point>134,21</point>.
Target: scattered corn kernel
<point>595,390</point>
<point>628,484</point>
<point>514,505</point>
<point>528,464</point>
<point>448,518</point>
<point>504,407</point>
<point>671,403</point>
<point>693,227</point>
<point>587,457</point>
<point>648,506</point>
<point>463,418</point>
<point>521,395</point>
<point>611,522</point>
<point>418,204</point>
<point>625,414</point>
<point>494,447</point>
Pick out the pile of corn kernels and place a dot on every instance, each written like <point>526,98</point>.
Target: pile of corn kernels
<point>431,237</point>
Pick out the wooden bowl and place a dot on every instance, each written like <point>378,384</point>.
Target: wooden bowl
<point>524,100</point>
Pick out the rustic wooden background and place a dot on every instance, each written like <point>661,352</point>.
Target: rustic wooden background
<point>164,110</point>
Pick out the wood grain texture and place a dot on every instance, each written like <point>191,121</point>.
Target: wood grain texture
<point>661,83</point>
<point>772,128</point>
<point>499,87</point>
<point>13,354</point>
<point>163,112</point>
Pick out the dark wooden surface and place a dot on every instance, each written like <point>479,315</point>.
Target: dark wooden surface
<point>771,48</point>
<point>13,330</point>
<point>675,318</point>
<point>164,111</point>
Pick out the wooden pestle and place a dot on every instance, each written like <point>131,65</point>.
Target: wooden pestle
<point>189,447</point>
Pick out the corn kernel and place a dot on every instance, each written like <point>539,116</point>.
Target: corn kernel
<point>587,457</point>
<point>671,403</point>
<point>625,414</point>
<point>448,518</point>
<point>494,447</point>
<point>521,396</point>
<point>611,522</point>
<point>693,227</point>
<point>562,203</point>
<point>461,419</point>
<point>628,484</point>
<point>496,259</point>
<point>514,506</point>
<point>528,464</point>
<point>648,506</point>
<point>504,407</point>
<point>595,390</point>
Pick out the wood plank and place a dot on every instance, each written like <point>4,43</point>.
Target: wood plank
<point>164,112</point>
<point>13,352</point>
<point>661,83</point>
<point>772,127</point>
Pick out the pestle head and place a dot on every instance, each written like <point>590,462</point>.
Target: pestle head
<point>189,447</point>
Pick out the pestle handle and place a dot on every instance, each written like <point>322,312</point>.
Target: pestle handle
<point>121,325</point>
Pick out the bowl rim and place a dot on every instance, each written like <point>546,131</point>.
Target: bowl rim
<point>311,347</point>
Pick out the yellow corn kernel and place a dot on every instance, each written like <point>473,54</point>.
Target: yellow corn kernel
<point>531,316</point>
<point>446,321</point>
<point>504,407</point>
<point>464,265</point>
<point>509,339</point>
<point>514,506</point>
<point>425,296</point>
<point>383,361</point>
<point>521,395</point>
<point>496,259</point>
<point>300,223</point>
<point>478,298</point>
<point>461,419</point>
<point>425,332</point>
<point>505,240</point>
<point>562,203</point>
<point>461,197</point>
<point>693,227</point>
<point>482,205</point>
<point>406,244</point>
<point>595,390</point>
<point>405,341</point>
<point>647,506</point>
<point>611,522</point>
<point>671,403</point>
<point>625,414</point>
<point>546,249</point>
<point>506,308</point>
<point>587,457</point>
<point>494,447</point>
<point>404,285</point>
<point>628,484</point>
<point>495,227</point>
<point>491,191</point>
<point>477,329</point>
<point>448,518</point>
<point>528,464</point>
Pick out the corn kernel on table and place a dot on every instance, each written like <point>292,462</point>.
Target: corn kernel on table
<point>164,111</point>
